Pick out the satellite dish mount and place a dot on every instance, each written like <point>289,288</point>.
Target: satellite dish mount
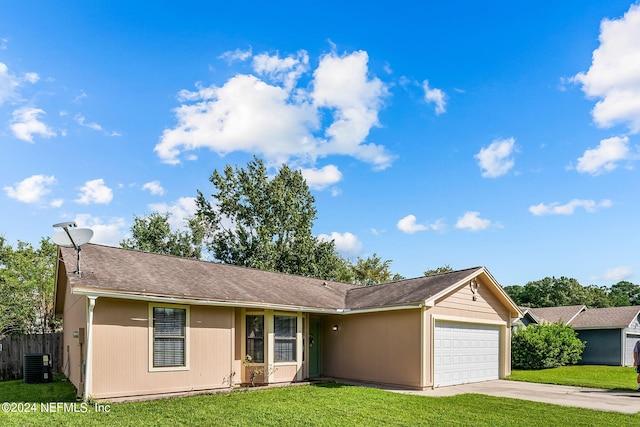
<point>72,238</point>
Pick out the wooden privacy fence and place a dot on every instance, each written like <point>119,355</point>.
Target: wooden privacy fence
<point>13,349</point>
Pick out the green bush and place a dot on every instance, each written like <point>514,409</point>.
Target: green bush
<point>545,346</point>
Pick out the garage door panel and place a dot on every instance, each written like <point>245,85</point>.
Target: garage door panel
<point>465,353</point>
<point>630,342</point>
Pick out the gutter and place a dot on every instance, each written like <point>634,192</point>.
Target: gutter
<point>216,303</point>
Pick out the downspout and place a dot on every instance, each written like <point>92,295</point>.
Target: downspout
<point>89,359</point>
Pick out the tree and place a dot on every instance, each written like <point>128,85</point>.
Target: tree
<point>596,297</point>
<point>443,269</point>
<point>373,271</point>
<point>27,281</point>
<point>152,233</point>
<point>515,293</point>
<point>551,292</point>
<point>265,223</point>
<point>624,294</point>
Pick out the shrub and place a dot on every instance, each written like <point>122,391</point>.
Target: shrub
<point>545,346</point>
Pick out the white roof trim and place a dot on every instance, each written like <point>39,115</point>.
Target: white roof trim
<point>216,303</point>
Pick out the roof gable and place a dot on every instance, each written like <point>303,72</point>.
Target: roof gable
<point>564,314</point>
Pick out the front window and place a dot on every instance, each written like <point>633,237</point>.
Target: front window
<point>285,328</point>
<point>255,338</point>
<point>169,336</point>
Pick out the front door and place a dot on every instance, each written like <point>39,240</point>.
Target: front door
<point>314,348</point>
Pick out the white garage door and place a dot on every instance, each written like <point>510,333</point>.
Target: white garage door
<point>630,343</point>
<point>466,353</point>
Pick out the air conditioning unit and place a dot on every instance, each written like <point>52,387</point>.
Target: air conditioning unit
<point>37,368</point>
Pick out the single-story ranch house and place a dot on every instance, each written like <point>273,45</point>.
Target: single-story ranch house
<point>610,333</point>
<point>141,324</point>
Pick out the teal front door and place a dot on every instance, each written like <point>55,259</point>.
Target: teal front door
<point>314,348</point>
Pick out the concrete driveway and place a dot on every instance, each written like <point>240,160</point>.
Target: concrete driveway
<point>592,398</point>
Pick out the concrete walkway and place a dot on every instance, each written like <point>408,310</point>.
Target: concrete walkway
<point>592,398</point>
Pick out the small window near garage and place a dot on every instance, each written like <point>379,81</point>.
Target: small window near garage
<point>255,338</point>
<point>169,330</point>
<point>285,328</point>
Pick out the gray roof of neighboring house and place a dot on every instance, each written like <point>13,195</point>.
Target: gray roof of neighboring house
<point>566,314</point>
<point>128,272</point>
<point>611,317</point>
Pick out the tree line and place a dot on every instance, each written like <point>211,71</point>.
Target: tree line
<point>563,291</point>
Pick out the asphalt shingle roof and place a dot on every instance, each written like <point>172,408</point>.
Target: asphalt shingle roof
<point>118,270</point>
<point>611,317</point>
<point>556,314</point>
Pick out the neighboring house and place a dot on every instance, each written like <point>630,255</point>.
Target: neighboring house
<point>564,314</point>
<point>142,324</point>
<point>610,333</point>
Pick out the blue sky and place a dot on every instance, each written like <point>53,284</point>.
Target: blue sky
<point>503,134</point>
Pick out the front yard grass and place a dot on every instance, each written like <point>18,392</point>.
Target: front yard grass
<point>605,377</point>
<point>324,405</point>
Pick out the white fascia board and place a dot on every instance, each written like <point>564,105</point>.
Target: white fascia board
<point>192,301</point>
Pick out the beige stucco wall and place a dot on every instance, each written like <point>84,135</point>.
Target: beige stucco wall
<point>460,306</point>
<point>74,348</point>
<point>381,347</point>
<point>121,351</point>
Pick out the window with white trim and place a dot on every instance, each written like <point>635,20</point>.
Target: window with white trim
<point>169,330</point>
<point>285,329</point>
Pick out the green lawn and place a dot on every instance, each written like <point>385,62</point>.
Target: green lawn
<point>606,377</point>
<point>60,390</point>
<point>319,405</point>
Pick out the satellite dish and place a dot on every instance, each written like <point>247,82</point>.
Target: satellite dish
<point>73,237</point>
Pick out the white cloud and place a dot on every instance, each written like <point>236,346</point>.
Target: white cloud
<point>435,96</point>
<point>616,274</point>
<point>285,121</point>
<point>91,125</point>
<point>614,74</point>
<point>56,203</point>
<point>319,179</point>
<point>605,157</point>
<point>25,124</point>
<point>287,70</point>
<point>569,208</point>
<point>32,189</point>
<point>496,160</point>
<point>94,191</point>
<point>346,243</point>
<point>110,233</point>
<point>236,55</point>
<point>473,222</point>
<point>32,77</point>
<point>180,211</point>
<point>409,225</point>
<point>154,188</point>
<point>342,84</point>
<point>8,84</point>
